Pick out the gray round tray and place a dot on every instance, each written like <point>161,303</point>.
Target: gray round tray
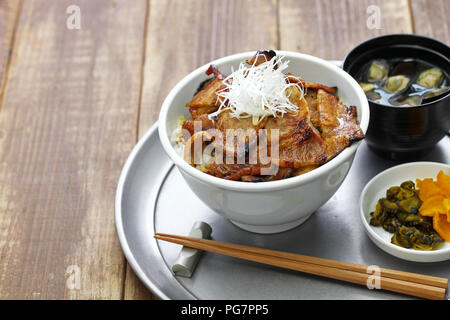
<point>153,197</point>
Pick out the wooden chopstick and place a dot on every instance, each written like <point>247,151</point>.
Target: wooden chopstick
<point>388,273</point>
<point>335,270</point>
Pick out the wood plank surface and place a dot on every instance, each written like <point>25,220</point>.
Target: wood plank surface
<point>432,18</point>
<point>185,34</point>
<point>67,123</point>
<point>9,12</point>
<point>329,29</point>
<point>74,102</point>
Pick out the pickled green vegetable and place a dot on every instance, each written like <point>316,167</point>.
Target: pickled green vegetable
<point>398,213</point>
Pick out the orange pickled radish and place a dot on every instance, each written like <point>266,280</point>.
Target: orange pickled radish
<point>435,196</point>
<point>432,205</point>
<point>442,226</point>
<point>443,182</point>
<point>446,204</point>
<point>427,188</point>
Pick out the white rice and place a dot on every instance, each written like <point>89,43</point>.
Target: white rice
<point>178,144</point>
<point>177,137</point>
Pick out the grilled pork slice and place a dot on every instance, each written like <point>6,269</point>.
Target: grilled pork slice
<point>226,121</point>
<point>206,97</point>
<point>261,57</point>
<point>304,148</point>
<point>338,124</point>
<point>311,99</point>
<point>310,85</point>
<point>233,171</point>
<point>197,112</point>
<point>204,123</point>
<point>287,123</point>
<point>239,134</point>
<point>300,144</point>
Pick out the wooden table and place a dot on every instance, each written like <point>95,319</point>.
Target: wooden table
<point>75,101</point>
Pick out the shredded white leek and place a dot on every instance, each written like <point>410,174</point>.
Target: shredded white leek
<point>257,91</point>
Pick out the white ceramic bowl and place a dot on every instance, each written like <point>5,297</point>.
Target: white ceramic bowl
<point>275,206</point>
<point>376,189</point>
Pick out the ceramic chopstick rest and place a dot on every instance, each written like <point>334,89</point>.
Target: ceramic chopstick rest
<point>188,258</point>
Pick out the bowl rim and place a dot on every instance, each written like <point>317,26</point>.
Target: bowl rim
<point>270,185</point>
<point>403,35</point>
<point>373,235</point>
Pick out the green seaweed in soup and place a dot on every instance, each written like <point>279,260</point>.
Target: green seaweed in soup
<point>403,81</point>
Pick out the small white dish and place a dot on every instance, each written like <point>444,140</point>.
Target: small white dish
<point>376,189</point>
